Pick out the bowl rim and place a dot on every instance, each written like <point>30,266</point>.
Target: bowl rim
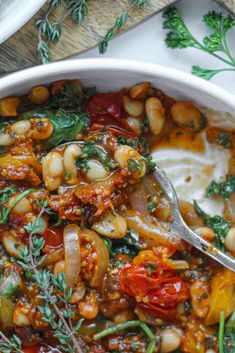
<point>110,64</point>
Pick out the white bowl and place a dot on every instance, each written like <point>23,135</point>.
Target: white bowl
<point>112,74</point>
<point>15,13</point>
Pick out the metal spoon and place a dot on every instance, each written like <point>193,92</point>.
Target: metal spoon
<point>179,227</point>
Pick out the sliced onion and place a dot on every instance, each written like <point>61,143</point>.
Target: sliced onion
<point>179,264</point>
<point>138,200</point>
<point>153,234</point>
<point>71,254</point>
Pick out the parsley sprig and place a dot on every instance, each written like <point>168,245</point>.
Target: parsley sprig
<point>120,23</point>
<point>215,43</point>
<point>51,31</point>
<point>225,188</point>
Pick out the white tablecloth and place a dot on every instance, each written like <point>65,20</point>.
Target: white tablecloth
<point>146,43</point>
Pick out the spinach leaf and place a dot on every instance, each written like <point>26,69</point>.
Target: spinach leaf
<point>225,139</point>
<point>229,335</point>
<point>67,124</point>
<point>129,245</point>
<point>216,223</point>
<point>225,188</point>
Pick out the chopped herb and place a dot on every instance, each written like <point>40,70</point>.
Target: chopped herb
<point>6,193</point>
<point>35,227</point>
<point>216,223</point>
<point>67,175</point>
<point>11,290</point>
<point>132,142</point>
<point>5,211</point>
<point>224,139</point>
<point>128,245</point>
<point>150,164</point>
<point>224,189</point>
<point>151,267</point>
<point>126,326</point>
<point>152,206</point>
<point>133,165</point>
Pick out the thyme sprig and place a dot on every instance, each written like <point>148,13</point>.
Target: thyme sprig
<point>215,44</point>
<point>55,310</point>
<point>10,345</point>
<point>51,31</point>
<point>120,23</point>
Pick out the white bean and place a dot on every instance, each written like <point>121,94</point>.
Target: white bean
<point>96,170</point>
<point>230,240</point>
<point>11,244</point>
<point>205,233</point>
<point>42,129</point>
<point>170,340</point>
<point>52,170</point>
<point>22,207</point>
<point>21,127</point>
<point>71,153</point>
<point>140,90</point>
<point>21,314</point>
<point>112,226</point>
<point>124,153</point>
<point>133,107</point>
<point>6,139</point>
<point>186,115</point>
<point>134,124</point>
<point>156,114</point>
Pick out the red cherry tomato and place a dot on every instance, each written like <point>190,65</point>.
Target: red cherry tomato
<point>53,237</point>
<point>35,349</point>
<point>106,105</point>
<point>159,290</point>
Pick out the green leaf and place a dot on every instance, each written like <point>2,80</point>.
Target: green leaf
<point>35,227</point>
<point>216,223</point>
<point>224,189</point>
<point>225,139</point>
<point>216,21</point>
<point>11,290</point>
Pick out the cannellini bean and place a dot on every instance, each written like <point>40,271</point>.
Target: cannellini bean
<point>78,293</point>
<point>59,267</point>
<point>205,233</point>
<point>230,240</point>
<point>89,308</point>
<point>199,292</point>
<point>140,90</point>
<point>96,170</point>
<point>52,170</point>
<point>22,207</point>
<point>42,129</point>
<point>134,124</point>
<point>123,154</point>
<point>21,314</point>
<point>133,107</point>
<point>155,114</point>
<point>71,153</point>
<point>112,226</point>
<point>170,340</point>
<point>39,94</point>
<point>21,127</point>
<point>6,140</point>
<point>9,106</point>
<point>11,244</point>
<point>186,115</point>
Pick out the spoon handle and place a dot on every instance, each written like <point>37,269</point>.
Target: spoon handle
<point>179,227</point>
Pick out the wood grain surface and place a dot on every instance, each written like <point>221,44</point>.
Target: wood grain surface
<point>19,51</point>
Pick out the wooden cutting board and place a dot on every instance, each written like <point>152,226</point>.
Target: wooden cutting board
<point>19,51</point>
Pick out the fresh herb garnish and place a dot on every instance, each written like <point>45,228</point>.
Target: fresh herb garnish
<point>119,23</point>
<point>133,165</point>
<point>221,333</point>
<point>152,206</point>
<point>216,42</point>
<point>150,164</point>
<point>128,245</point>
<point>11,290</point>
<point>224,188</point>
<point>132,142</point>
<point>10,345</point>
<point>225,139</point>
<point>127,326</point>
<point>55,310</point>
<point>50,31</point>
<point>229,335</point>
<point>6,193</point>
<point>216,223</point>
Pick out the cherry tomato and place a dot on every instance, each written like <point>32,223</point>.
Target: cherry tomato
<point>106,105</point>
<point>35,349</point>
<point>158,290</point>
<point>53,237</point>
